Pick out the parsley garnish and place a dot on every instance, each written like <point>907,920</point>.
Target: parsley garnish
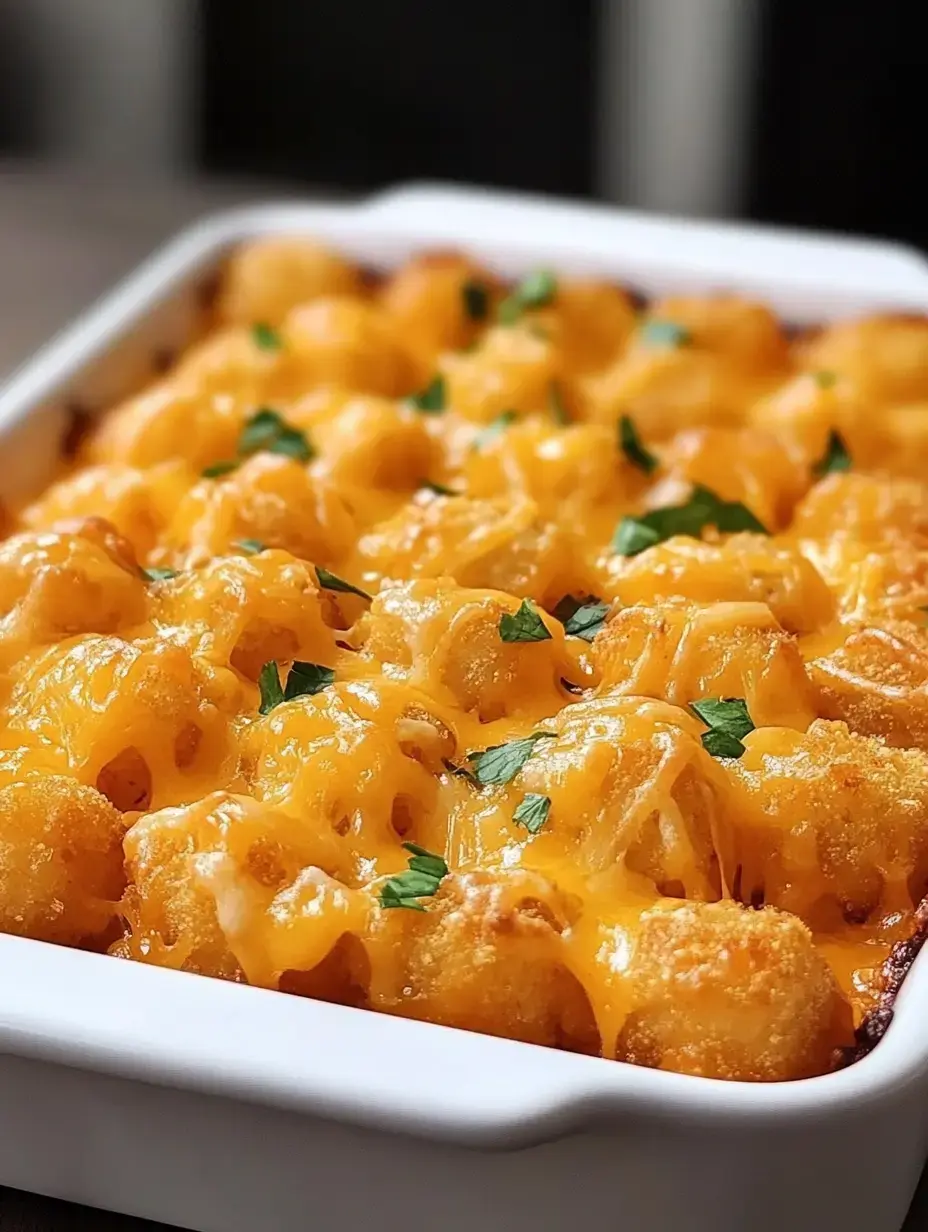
<point>704,508</point>
<point>532,812</point>
<point>331,581</point>
<point>525,625</point>
<point>502,762</point>
<point>534,291</point>
<point>421,880</point>
<point>665,334</point>
<point>266,337</point>
<point>824,379</point>
<point>631,446</point>
<point>431,400</point>
<point>304,680</point>
<point>835,457</point>
<point>159,575</point>
<point>476,299</point>
<point>728,721</point>
<point>587,621</point>
<point>558,409</point>
<point>216,469</point>
<point>251,546</point>
<point>266,431</point>
<point>495,428</point>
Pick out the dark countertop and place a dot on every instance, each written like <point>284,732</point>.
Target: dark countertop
<point>66,237</point>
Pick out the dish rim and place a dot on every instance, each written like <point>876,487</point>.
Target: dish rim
<point>394,1074</point>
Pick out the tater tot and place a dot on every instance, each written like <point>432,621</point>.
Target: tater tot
<point>61,874</point>
<point>268,277</point>
<point>830,824</point>
<point>488,957</point>
<point>348,343</point>
<point>726,992</point>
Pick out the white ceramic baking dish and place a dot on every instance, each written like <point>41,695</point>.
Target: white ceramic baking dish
<point>232,1109</point>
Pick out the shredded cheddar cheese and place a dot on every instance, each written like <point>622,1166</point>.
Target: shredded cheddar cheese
<point>497,656</point>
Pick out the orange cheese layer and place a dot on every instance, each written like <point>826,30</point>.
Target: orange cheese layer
<point>461,452</point>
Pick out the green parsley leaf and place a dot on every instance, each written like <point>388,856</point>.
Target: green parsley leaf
<point>704,508</point>
<point>303,680</point>
<point>825,380</point>
<point>159,575</point>
<point>422,880</point>
<point>431,400</point>
<point>502,762</point>
<point>251,546</point>
<point>266,431</point>
<point>835,458</point>
<point>587,621</point>
<point>532,812</point>
<point>631,446</point>
<point>728,721</point>
<point>660,333</point>
<point>494,429</point>
<point>272,693</point>
<point>534,291</point>
<point>438,488</point>
<point>307,679</point>
<point>558,409</point>
<point>217,469</point>
<point>266,337</point>
<point>331,581</point>
<point>525,625</point>
<point>476,298</point>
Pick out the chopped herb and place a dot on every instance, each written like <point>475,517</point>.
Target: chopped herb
<point>307,679</point>
<point>704,508</point>
<point>532,812</point>
<point>266,431</point>
<point>534,291</point>
<point>587,621</point>
<point>438,488</point>
<point>159,575</point>
<point>728,721</point>
<point>502,762</point>
<point>331,581</point>
<point>631,446</point>
<point>476,299</point>
<point>421,880</point>
<point>272,693</point>
<point>825,380</point>
<point>525,625</point>
<point>216,469</point>
<point>495,428</point>
<point>558,409</point>
<point>303,680</point>
<point>431,400</point>
<point>266,337</point>
<point>251,546</point>
<point>565,607</point>
<point>835,457</point>
<point>660,333</point>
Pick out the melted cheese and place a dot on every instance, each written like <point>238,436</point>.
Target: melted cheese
<point>257,846</point>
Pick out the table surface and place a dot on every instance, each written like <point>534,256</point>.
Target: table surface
<point>65,237</point>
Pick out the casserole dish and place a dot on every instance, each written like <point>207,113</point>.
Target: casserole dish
<point>269,1111</point>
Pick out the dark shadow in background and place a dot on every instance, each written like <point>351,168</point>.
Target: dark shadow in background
<point>841,117</point>
<point>354,94</point>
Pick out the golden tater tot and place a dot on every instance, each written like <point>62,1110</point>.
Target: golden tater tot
<point>683,653</point>
<point>445,638</point>
<point>726,992</point>
<point>61,875</point>
<point>488,957</point>
<point>229,888</point>
<point>268,277</point>
<point>348,343</point>
<point>885,356</point>
<point>831,824</point>
<point>511,368</point>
